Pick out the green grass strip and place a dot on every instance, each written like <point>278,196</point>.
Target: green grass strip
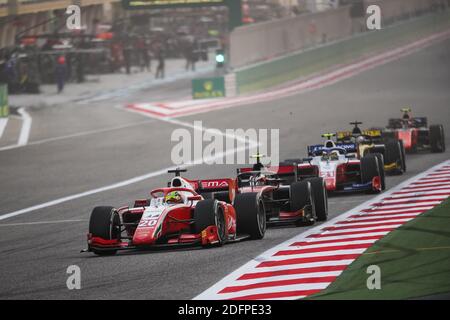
<point>414,261</point>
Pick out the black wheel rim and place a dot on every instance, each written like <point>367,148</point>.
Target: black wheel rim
<point>313,214</point>
<point>220,224</point>
<point>261,217</point>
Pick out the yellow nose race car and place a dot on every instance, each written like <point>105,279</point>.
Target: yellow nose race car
<point>371,141</point>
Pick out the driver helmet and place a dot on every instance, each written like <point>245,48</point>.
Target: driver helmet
<point>360,139</point>
<point>173,197</point>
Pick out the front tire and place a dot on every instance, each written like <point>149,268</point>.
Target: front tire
<point>394,154</point>
<point>209,213</point>
<point>302,198</point>
<point>369,168</point>
<point>320,198</point>
<point>250,215</point>
<point>105,223</point>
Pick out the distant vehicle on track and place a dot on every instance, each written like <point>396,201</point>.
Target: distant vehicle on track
<point>415,133</point>
<point>372,141</point>
<point>341,170</point>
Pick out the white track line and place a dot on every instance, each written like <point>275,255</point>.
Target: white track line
<point>297,287</point>
<point>137,179</point>
<point>40,222</point>
<point>26,127</point>
<point>289,277</point>
<point>3,123</point>
<point>78,134</point>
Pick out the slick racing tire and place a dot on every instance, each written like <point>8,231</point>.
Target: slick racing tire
<point>437,138</point>
<point>105,223</point>
<point>320,198</point>
<point>210,213</point>
<point>302,196</point>
<point>250,215</point>
<point>394,153</point>
<point>380,161</point>
<point>402,149</point>
<point>370,168</point>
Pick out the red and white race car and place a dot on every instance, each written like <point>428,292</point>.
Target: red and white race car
<point>341,170</point>
<point>177,215</point>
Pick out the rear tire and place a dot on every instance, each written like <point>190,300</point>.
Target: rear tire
<point>301,195</point>
<point>403,152</point>
<point>250,215</point>
<point>105,223</point>
<point>394,153</point>
<point>380,160</point>
<point>209,213</point>
<point>320,198</point>
<point>437,138</point>
<point>369,168</point>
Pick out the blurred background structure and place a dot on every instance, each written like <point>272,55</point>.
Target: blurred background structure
<point>112,39</point>
<point>33,35</point>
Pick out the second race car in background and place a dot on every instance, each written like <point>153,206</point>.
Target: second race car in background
<point>341,170</point>
<point>285,201</point>
<point>371,141</point>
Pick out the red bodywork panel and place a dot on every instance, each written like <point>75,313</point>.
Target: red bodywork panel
<point>166,225</point>
<point>344,173</point>
<point>408,136</point>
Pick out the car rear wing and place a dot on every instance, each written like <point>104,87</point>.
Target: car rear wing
<point>315,150</point>
<point>370,133</point>
<point>343,135</point>
<point>215,185</point>
<point>287,172</point>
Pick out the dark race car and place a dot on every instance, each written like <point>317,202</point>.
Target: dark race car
<point>284,201</point>
<point>177,215</point>
<point>371,141</point>
<point>341,170</point>
<point>415,133</point>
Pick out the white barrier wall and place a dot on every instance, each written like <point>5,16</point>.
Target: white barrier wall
<point>265,41</point>
<point>396,9</point>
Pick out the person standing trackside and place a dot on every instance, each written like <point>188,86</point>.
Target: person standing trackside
<point>160,70</point>
<point>61,73</point>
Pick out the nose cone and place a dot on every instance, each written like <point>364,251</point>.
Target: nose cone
<point>330,184</point>
<point>144,236</point>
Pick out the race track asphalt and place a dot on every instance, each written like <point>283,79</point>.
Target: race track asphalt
<point>76,148</point>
